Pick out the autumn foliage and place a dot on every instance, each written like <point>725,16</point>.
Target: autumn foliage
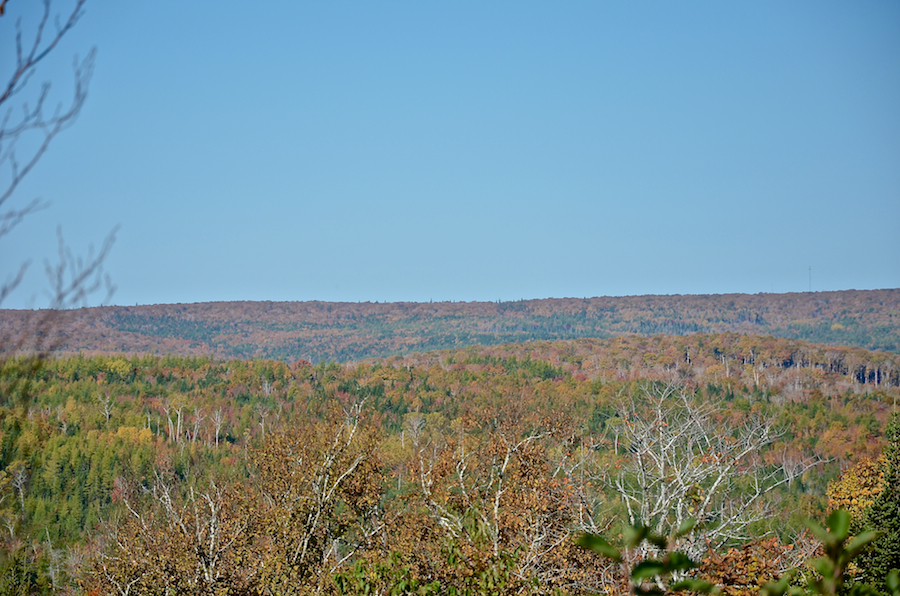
<point>462,471</point>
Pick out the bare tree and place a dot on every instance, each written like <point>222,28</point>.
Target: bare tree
<point>199,520</point>
<point>684,461</point>
<point>28,125</point>
<point>55,563</point>
<point>263,412</point>
<point>106,406</point>
<point>310,479</point>
<point>198,420</point>
<point>19,480</point>
<point>491,490</point>
<point>793,465</point>
<point>415,425</point>
<point>174,426</point>
<point>314,503</point>
<point>218,418</point>
<point>175,541</point>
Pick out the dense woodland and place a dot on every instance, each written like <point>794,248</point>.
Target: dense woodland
<point>469,471</point>
<point>445,449</point>
<point>328,331</point>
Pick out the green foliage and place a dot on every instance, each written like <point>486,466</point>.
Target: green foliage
<point>838,555</point>
<point>493,580</point>
<point>654,576</point>
<point>321,331</point>
<point>387,577</point>
<point>20,575</point>
<point>76,432</point>
<point>884,515</point>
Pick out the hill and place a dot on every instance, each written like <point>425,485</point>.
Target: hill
<point>330,331</point>
<point>550,432</point>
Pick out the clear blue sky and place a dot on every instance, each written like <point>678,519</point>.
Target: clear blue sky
<point>391,151</point>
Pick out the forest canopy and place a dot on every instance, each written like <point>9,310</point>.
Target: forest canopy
<point>446,470</point>
<point>332,331</point>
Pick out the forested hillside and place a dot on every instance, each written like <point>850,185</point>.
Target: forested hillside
<point>458,471</point>
<point>325,331</point>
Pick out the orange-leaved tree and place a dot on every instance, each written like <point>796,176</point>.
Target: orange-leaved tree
<point>312,502</point>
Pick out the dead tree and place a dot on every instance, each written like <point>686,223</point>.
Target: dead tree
<point>218,419</point>
<point>685,461</point>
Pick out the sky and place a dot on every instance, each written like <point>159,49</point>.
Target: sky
<point>416,151</point>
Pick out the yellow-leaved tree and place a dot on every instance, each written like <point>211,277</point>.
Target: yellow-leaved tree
<point>857,489</point>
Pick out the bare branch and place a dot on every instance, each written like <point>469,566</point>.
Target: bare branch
<point>74,278</point>
<point>25,65</point>
<point>686,462</point>
<point>34,120</point>
<point>36,127</point>
<point>13,217</point>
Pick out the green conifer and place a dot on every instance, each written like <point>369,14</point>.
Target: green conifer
<point>884,516</point>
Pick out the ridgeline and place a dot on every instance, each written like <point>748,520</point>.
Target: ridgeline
<point>343,331</point>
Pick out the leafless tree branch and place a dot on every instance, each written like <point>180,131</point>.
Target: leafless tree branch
<point>684,461</point>
<point>30,130</point>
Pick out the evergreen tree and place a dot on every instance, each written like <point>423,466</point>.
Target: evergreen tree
<point>884,515</point>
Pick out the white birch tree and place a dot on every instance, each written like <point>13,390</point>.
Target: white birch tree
<point>686,460</point>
